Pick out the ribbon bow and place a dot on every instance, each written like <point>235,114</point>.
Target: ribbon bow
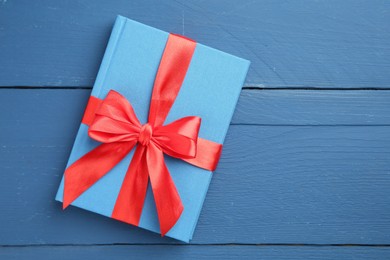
<point>113,122</point>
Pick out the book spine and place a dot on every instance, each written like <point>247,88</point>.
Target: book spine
<point>109,53</point>
<point>99,83</point>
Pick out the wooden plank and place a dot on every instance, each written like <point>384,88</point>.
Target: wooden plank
<point>196,252</point>
<point>341,44</point>
<point>274,184</point>
<point>320,107</point>
<point>265,107</point>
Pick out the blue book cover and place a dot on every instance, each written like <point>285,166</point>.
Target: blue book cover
<point>210,90</point>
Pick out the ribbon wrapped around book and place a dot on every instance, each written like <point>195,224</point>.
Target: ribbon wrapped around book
<point>113,122</point>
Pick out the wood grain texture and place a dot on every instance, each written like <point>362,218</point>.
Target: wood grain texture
<point>324,184</point>
<point>332,44</point>
<point>319,107</point>
<point>196,252</point>
<point>265,107</point>
<point>303,173</point>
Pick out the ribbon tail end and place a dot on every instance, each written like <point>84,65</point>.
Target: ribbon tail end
<point>68,198</point>
<point>66,202</point>
<point>165,228</point>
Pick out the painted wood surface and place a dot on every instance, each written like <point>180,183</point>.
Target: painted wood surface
<point>332,44</point>
<point>197,252</point>
<point>305,171</point>
<point>321,184</point>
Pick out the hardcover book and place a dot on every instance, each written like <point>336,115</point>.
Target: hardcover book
<point>210,90</point>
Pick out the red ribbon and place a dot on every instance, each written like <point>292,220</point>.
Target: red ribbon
<point>112,122</point>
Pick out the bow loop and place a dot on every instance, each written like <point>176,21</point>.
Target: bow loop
<point>116,107</point>
<point>115,120</point>
<point>179,138</point>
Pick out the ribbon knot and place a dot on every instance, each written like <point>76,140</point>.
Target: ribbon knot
<point>145,134</point>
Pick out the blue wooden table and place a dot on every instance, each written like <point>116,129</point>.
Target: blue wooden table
<point>305,171</point>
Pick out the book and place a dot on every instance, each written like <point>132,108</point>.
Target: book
<point>210,90</point>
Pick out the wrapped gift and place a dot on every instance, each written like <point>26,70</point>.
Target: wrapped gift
<point>153,130</point>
